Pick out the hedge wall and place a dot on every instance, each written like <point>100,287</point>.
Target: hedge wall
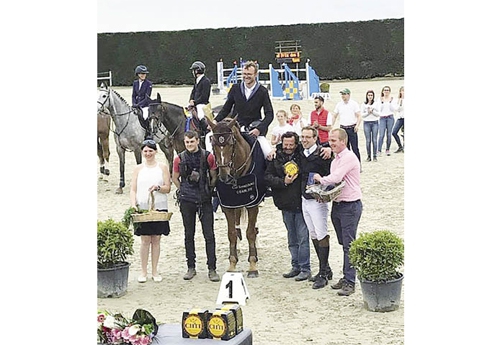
<point>349,50</point>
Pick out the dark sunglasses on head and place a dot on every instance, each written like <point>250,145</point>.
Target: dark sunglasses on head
<point>148,142</point>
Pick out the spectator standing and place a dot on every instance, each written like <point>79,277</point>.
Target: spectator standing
<point>400,122</point>
<point>194,175</point>
<point>321,119</point>
<point>315,213</point>
<point>296,119</point>
<point>346,210</point>
<point>370,115</point>
<point>149,177</point>
<point>286,185</point>
<point>349,114</point>
<point>282,127</point>
<point>387,106</point>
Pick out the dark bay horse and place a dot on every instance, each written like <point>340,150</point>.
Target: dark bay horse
<point>237,173</point>
<point>176,121</point>
<point>128,132</point>
<point>103,127</point>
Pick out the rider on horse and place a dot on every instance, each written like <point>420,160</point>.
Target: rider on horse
<point>200,96</point>
<point>141,97</point>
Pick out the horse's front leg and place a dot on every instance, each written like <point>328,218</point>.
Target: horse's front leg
<point>232,236</point>
<point>121,156</point>
<point>105,153</point>
<point>253,272</point>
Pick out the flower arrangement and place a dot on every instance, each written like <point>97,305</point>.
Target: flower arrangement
<point>116,329</point>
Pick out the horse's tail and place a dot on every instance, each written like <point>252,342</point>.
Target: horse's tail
<point>244,214</point>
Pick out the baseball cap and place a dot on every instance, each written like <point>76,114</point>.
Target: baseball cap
<point>345,91</point>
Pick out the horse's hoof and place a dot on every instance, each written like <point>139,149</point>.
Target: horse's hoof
<point>106,172</point>
<point>253,274</point>
<point>101,169</point>
<point>119,191</point>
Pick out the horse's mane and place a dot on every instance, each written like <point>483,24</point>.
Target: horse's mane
<point>120,96</point>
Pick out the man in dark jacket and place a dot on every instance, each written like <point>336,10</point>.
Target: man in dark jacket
<point>194,175</point>
<point>200,94</point>
<point>315,213</point>
<point>248,98</point>
<point>283,176</point>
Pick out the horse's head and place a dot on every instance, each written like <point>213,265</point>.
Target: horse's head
<point>103,98</point>
<point>224,147</point>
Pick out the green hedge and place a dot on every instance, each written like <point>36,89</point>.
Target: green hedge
<point>349,50</point>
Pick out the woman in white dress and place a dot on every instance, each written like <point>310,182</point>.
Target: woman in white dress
<point>150,176</point>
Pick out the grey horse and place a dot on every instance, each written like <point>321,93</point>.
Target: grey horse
<point>128,132</point>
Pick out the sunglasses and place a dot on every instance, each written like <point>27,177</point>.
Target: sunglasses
<point>148,142</point>
<point>387,90</point>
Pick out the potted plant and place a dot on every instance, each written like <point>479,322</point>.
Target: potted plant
<point>377,257</point>
<point>114,244</point>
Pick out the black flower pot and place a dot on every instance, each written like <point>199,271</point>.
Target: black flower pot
<point>382,296</point>
<point>113,281</point>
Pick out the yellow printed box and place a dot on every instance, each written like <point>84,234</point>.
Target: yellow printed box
<point>194,324</point>
<point>238,314</point>
<point>221,324</point>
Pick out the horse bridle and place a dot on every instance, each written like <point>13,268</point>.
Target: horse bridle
<point>154,117</point>
<point>221,139</point>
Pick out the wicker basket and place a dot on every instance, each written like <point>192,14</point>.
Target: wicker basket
<point>321,192</point>
<point>152,215</point>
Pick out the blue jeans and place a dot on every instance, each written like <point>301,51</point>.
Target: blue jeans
<point>298,240</point>
<point>399,124</point>
<point>371,135</point>
<point>345,218</point>
<point>385,126</point>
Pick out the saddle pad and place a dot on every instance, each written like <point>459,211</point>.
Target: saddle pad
<point>246,192</point>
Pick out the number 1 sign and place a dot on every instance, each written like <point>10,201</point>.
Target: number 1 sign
<point>233,289</point>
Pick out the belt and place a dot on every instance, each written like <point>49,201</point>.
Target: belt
<point>347,127</point>
<point>383,117</point>
<point>345,202</point>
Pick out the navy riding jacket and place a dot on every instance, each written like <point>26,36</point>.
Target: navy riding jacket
<point>141,97</point>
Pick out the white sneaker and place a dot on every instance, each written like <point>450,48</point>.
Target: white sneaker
<point>158,278</point>
<point>142,279</point>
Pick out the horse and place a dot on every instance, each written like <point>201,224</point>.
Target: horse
<point>175,120</point>
<point>128,132</point>
<point>103,127</point>
<point>237,173</point>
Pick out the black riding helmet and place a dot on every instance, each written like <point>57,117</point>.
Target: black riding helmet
<point>141,69</point>
<point>198,67</point>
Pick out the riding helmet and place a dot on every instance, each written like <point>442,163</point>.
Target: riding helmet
<point>198,67</point>
<point>141,69</point>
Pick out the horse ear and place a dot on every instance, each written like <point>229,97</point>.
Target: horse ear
<point>210,123</point>
<point>230,124</point>
<point>158,97</point>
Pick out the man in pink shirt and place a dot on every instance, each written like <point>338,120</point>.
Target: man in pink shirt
<point>347,209</point>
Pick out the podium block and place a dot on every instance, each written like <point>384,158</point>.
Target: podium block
<point>233,289</point>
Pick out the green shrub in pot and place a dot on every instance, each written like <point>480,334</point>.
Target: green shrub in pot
<point>377,256</point>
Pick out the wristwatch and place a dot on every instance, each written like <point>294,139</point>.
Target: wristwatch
<point>158,188</point>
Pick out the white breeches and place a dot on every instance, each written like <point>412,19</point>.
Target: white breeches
<point>316,218</point>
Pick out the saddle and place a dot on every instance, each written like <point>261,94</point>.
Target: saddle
<point>194,123</point>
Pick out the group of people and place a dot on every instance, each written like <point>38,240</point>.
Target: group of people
<point>319,153</point>
<point>307,217</point>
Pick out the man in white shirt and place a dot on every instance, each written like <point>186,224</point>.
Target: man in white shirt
<point>349,114</point>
